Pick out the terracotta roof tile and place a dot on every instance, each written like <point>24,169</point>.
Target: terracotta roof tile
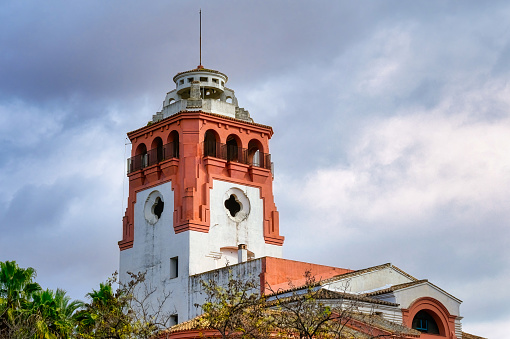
<point>383,324</point>
<point>371,320</point>
<point>394,288</point>
<point>368,270</point>
<point>405,285</point>
<point>328,294</point>
<point>470,336</point>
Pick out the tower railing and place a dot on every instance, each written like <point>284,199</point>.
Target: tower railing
<point>233,153</point>
<point>153,156</point>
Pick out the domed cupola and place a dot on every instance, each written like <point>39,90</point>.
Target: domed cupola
<point>204,90</point>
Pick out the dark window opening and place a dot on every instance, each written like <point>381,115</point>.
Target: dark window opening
<point>232,205</point>
<point>209,144</point>
<point>174,267</point>
<point>159,152</point>
<point>173,145</point>
<point>232,150</point>
<point>158,207</point>
<point>425,323</point>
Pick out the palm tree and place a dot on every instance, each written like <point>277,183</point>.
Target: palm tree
<point>105,316</point>
<point>16,291</point>
<point>66,310</point>
<point>53,312</point>
<point>16,284</point>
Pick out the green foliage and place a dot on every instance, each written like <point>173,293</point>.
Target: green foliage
<point>122,313</point>
<point>304,313</point>
<point>235,310</point>
<point>53,313</point>
<point>106,316</point>
<point>16,291</point>
<point>28,312</point>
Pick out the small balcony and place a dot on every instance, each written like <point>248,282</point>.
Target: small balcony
<point>233,153</point>
<point>152,157</point>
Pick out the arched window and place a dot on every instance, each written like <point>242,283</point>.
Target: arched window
<point>139,161</point>
<point>233,149</point>
<point>141,149</point>
<point>211,141</point>
<point>424,322</point>
<point>156,152</point>
<point>255,155</point>
<point>172,148</point>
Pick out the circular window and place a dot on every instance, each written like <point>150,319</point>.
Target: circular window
<point>237,204</point>
<point>154,206</point>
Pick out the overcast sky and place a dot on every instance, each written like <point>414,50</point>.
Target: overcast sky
<point>391,121</point>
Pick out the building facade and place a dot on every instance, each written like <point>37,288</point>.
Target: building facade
<point>201,199</point>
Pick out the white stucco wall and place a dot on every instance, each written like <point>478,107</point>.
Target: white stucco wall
<point>406,296</point>
<point>247,271</point>
<point>153,246</point>
<point>224,232</point>
<point>208,105</point>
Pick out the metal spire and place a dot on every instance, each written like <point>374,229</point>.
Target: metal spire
<point>200,64</point>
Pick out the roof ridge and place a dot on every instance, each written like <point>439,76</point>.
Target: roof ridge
<point>324,293</point>
<point>357,272</point>
<point>367,270</point>
<point>395,287</point>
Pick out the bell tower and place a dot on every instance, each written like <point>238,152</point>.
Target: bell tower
<point>200,186</point>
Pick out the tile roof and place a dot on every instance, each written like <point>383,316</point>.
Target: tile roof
<point>344,276</point>
<point>368,270</point>
<point>325,294</point>
<point>188,325</point>
<point>405,285</point>
<point>379,322</point>
<point>371,320</point>
<point>394,288</point>
<point>470,336</point>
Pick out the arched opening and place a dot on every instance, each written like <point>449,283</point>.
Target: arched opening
<point>211,140</point>
<point>424,322</point>
<point>429,316</point>
<point>141,149</point>
<point>156,152</point>
<point>139,161</point>
<point>255,155</point>
<point>233,148</point>
<point>229,100</point>
<point>172,148</point>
